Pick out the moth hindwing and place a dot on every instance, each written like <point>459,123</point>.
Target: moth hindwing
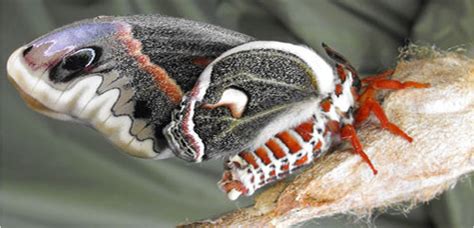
<point>247,95</point>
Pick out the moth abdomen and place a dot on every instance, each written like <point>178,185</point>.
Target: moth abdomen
<point>280,156</point>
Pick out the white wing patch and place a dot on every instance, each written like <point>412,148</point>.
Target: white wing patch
<point>234,99</point>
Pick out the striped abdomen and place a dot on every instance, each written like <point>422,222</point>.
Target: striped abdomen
<point>281,155</point>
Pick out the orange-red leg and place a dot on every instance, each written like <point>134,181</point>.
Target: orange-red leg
<point>363,112</point>
<point>385,123</point>
<point>379,81</point>
<point>348,132</point>
<point>396,85</point>
<point>369,93</point>
<point>382,75</point>
<point>368,104</point>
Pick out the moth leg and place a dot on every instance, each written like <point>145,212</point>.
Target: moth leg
<point>349,133</point>
<point>396,85</point>
<point>365,107</point>
<point>386,124</point>
<point>370,105</point>
<point>380,81</point>
<point>379,76</point>
<point>370,90</point>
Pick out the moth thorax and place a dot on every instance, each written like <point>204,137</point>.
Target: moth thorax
<point>341,103</point>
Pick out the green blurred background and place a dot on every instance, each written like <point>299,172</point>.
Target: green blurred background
<point>58,174</point>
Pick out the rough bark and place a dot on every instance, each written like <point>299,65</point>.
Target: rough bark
<point>441,121</point>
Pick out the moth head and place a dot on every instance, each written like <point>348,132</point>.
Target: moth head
<point>344,65</point>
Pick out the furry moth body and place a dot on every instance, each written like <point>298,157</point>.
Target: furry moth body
<point>121,75</point>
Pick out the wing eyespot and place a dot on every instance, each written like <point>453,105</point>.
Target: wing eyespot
<point>79,59</point>
<point>75,64</point>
